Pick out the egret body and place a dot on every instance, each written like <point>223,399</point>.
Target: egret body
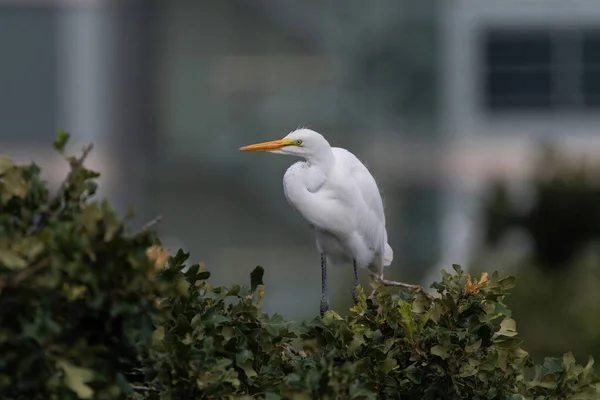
<point>340,199</point>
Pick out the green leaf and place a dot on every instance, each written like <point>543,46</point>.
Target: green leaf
<point>244,359</point>
<point>272,396</point>
<point>421,303</point>
<point>508,328</point>
<point>275,325</point>
<point>508,282</point>
<point>35,249</point>
<point>359,391</point>
<point>387,365</point>
<point>502,309</point>
<point>11,260</point>
<point>356,343</point>
<point>552,365</point>
<point>408,322</point>
<point>176,262</point>
<point>182,285</point>
<point>227,332</point>
<point>330,317</point>
<point>4,381</point>
<point>214,319</point>
<point>450,303</point>
<point>256,278</point>
<point>440,351</point>
<point>61,140</point>
<point>76,379</point>
<point>569,366</point>
<point>414,374</point>
<point>13,185</point>
<point>112,227</point>
<point>5,163</point>
<point>458,269</point>
<point>158,335</point>
<point>467,370</point>
<point>472,348</point>
<point>234,290</point>
<point>548,382</point>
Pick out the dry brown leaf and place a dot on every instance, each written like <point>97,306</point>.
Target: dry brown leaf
<point>159,255</point>
<point>472,286</point>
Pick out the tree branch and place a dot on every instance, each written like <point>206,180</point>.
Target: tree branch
<point>400,284</point>
<point>143,388</point>
<point>27,272</point>
<point>148,225</point>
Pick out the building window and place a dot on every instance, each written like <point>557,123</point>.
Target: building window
<point>518,71</point>
<point>591,68</point>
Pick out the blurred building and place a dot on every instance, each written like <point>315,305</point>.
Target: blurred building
<point>434,96</point>
<point>512,74</point>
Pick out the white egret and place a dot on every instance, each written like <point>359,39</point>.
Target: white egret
<point>340,199</point>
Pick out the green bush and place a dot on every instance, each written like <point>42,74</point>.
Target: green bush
<point>551,306</point>
<point>559,272</point>
<point>76,309</point>
<point>87,310</point>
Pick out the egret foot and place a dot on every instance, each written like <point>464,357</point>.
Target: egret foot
<point>372,295</point>
<point>386,282</point>
<point>324,298</point>
<point>354,292</point>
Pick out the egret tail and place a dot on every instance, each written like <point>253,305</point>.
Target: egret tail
<point>388,256</point>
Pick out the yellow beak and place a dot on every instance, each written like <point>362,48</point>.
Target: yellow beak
<point>267,146</point>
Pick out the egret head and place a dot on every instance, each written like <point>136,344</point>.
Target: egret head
<point>303,143</point>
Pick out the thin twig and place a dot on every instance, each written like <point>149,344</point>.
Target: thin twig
<point>147,226</point>
<point>55,202</point>
<point>78,163</point>
<point>27,272</point>
<point>144,388</point>
<point>292,350</point>
<point>400,284</point>
<point>416,288</point>
<point>387,282</point>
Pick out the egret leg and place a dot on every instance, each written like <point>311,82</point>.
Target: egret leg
<point>324,298</point>
<point>354,292</point>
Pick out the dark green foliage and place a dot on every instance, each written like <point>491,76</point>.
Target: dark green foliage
<point>460,344</point>
<point>216,342</point>
<point>560,378</point>
<point>564,216</point>
<point>87,310</point>
<point>75,308</point>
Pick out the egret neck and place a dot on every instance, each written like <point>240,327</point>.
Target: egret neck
<point>317,168</point>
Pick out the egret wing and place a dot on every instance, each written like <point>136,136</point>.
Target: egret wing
<point>371,215</point>
<point>328,209</point>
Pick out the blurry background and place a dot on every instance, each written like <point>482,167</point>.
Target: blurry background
<point>479,119</point>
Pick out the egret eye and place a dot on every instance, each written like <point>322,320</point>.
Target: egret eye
<point>298,142</point>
